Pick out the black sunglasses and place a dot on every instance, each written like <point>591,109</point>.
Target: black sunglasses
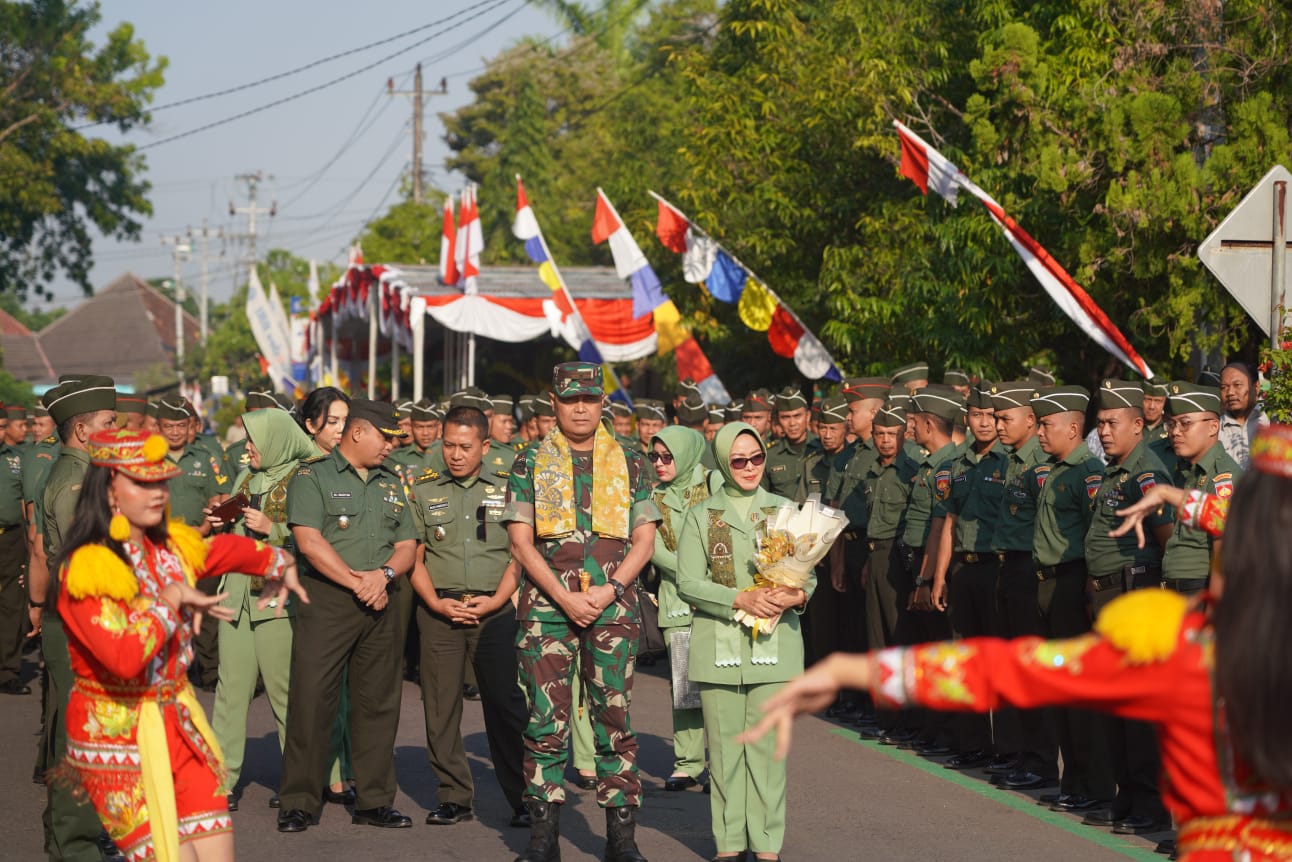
<point>752,461</point>
<point>660,457</point>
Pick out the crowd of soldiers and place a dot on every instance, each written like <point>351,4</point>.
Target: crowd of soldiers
<point>975,508</point>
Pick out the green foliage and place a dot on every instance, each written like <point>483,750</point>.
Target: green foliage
<point>15,391</point>
<point>35,319</point>
<point>57,183</point>
<point>408,233</point>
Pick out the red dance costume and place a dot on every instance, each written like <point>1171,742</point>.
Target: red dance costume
<point>1150,658</point>
<point>137,740</point>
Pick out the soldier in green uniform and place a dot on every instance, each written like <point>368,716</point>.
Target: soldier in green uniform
<point>692,413</point>
<point>912,377</point>
<point>1155,412</point>
<point>621,421</point>
<point>465,578</point>
<point>356,539</point>
<point>35,469</point>
<point>208,443</point>
<point>713,423</point>
<point>959,381</point>
<point>545,415</point>
<point>1065,486</point>
<point>790,459</point>
<point>13,563</point>
<point>1116,566</point>
<point>756,410</point>
<point>650,421</point>
<point>582,526</point>
<point>1037,764</point>
<point>964,577</point>
<point>418,457</point>
<point>80,406</point>
<point>236,454</point>
<point>1204,466</point>
<point>404,412</point>
<point>15,427</point>
<point>132,411</point>
<point>835,616</point>
<point>502,424</point>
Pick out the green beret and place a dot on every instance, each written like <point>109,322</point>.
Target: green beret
<point>649,408</point>
<point>861,388</point>
<point>955,377</point>
<point>1183,397</point>
<point>834,410</point>
<point>1012,393</point>
<point>939,400</point>
<point>692,411</point>
<point>790,398</point>
<point>576,378</point>
<point>172,410</point>
<point>543,404</point>
<point>1060,399</point>
<point>1116,394</point>
<point>891,415</point>
<point>1040,376</point>
<point>980,398</point>
<point>84,394</point>
<point>910,373</point>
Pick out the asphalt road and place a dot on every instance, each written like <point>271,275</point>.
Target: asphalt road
<point>848,800</point>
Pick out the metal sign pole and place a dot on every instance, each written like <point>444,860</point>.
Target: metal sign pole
<point>1278,262</point>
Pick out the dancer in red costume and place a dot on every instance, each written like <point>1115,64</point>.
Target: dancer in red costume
<point>137,740</point>
<point>1213,677</point>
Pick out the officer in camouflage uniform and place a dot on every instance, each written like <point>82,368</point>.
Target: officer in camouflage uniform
<point>582,526</point>
<point>790,459</point>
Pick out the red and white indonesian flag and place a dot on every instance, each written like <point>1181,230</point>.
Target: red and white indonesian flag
<point>929,169</point>
<point>470,240</point>
<point>448,240</point>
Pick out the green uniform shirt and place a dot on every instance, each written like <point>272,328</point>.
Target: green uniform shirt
<point>1016,526</point>
<point>974,494</point>
<point>459,521</point>
<point>1124,485</point>
<point>36,466</point>
<point>1065,488</point>
<point>919,509</point>
<point>224,472</point>
<point>62,487</point>
<point>582,550</point>
<point>361,520</point>
<point>411,463</point>
<point>845,487</point>
<point>789,472</point>
<point>888,492</point>
<point>1188,552</point>
<point>191,492</point>
<point>237,457</point>
<point>11,508</point>
<point>1163,450</point>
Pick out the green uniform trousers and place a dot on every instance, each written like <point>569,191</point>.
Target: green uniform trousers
<point>246,648</point>
<point>747,782</point>
<point>446,651</point>
<point>72,828</point>
<point>888,623</point>
<point>334,633</point>
<point>688,728</point>
<point>341,770</point>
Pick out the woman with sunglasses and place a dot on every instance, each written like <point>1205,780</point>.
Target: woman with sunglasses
<point>735,671</point>
<point>683,482</point>
<point>138,742</point>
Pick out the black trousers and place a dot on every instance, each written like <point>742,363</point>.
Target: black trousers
<point>834,621</point>
<point>335,632</point>
<point>1020,616</point>
<point>887,590</point>
<point>13,601</point>
<point>971,597</point>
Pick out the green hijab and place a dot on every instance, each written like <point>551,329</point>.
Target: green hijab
<point>281,444</point>
<point>722,443</point>
<point>687,447</point>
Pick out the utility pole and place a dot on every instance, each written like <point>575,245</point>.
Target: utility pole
<point>419,99</point>
<point>204,236</point>
<point>181,252</point>
<point>251,210</point>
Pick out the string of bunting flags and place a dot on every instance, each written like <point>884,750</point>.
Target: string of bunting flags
<point>707,262</point>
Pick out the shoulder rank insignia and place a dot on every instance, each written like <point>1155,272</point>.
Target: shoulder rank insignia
<point>314,459</point>
<point>427,476</point>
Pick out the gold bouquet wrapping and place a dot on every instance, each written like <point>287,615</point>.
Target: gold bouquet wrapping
<point>790,544</point>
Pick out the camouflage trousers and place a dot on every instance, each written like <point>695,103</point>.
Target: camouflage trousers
<point>603,655</point>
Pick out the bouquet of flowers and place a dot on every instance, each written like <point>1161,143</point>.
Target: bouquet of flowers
<point>790,544</point>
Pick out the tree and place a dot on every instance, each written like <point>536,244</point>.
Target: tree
<point>56,181</point>
<point>408,233</point>
<point>34,319</point>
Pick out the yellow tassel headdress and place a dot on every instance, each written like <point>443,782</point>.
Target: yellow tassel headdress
<point>1144,624</point>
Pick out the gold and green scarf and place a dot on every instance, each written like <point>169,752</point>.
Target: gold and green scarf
<point>554,502</point>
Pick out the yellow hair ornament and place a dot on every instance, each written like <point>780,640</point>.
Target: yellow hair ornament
<point>155,448</point>
<point>95,570</point>
<point>1144,624</point>
<point>189,545</point>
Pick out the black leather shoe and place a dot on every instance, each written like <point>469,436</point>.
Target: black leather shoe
<point>1050,798</point>
<point>14,686</point>
<point>447,814</point>
<point>232,799</point>
<point>842,709</point>
<point>108,849</point>
<point>1103,817</point>
<point>865,719</point>
<point>38,776</point>
<point>1166,848</point>
<point>520,818</point>
<point>675,783</point>
<point>383,816</point>
<point>1138,824</point>
<point>470,692</point>
<point>1002,764</point>
<point>345,797</point>
<point>1076,802</point>
<point>293,820</point>
<point>275,802</point>
<point>1023,780</point>
<point>742,856</point>
<point>897,737</point>
<point>874,731</point>
<point>969,760</point>
<point>933,749</point>
<point>585,782</point>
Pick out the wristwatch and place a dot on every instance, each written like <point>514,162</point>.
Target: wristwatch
<point>923,582</point>
<point>389,573</point>
<point>617,587</point>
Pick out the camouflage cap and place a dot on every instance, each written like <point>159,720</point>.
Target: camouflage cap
<point>910,373</point>
<point>1183,397</point>
<point>1060,399</point>
<point>790,398</point>
<point>570,379</point>
<point>939,400</point>
<point>1012,393</point>
<point>834,410</point>
<point>382,414</point>
<point>861,388</point>
<point>1116,394</point>
<point>955,377</point>
<point>87,393</point>
<point>1040,376</point>
<point>692,411</point>
<point>650,409</point>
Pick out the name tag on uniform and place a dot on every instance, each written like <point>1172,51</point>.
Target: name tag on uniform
<point>340,494</point>
<point>494,503</point>
<point>439,504</point>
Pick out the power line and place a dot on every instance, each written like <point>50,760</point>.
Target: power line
<point>310,90</point>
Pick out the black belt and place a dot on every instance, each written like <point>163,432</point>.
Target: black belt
<point>972,557</point>
<point>1184,585</point>
<point>1072,567</point>
<point>461,595</point>
<point>1014,556</point>
<point>1106,582</point>
<point>1129,577</point>
<point>852,535</point>
<point>878,543</point>
<point>7,527</point>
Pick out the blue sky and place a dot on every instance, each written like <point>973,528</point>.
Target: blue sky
<point>214,46</point>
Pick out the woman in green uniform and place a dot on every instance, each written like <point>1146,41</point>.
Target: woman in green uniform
<point>257,640</point>
<point>736,672</point>
<point>675,454</point>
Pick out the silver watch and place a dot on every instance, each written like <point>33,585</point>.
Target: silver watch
<point>389,573</point>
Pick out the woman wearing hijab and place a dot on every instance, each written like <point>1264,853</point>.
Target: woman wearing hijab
<point>675,454</point>
<point>736,671</point>
<point>256,640</point>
